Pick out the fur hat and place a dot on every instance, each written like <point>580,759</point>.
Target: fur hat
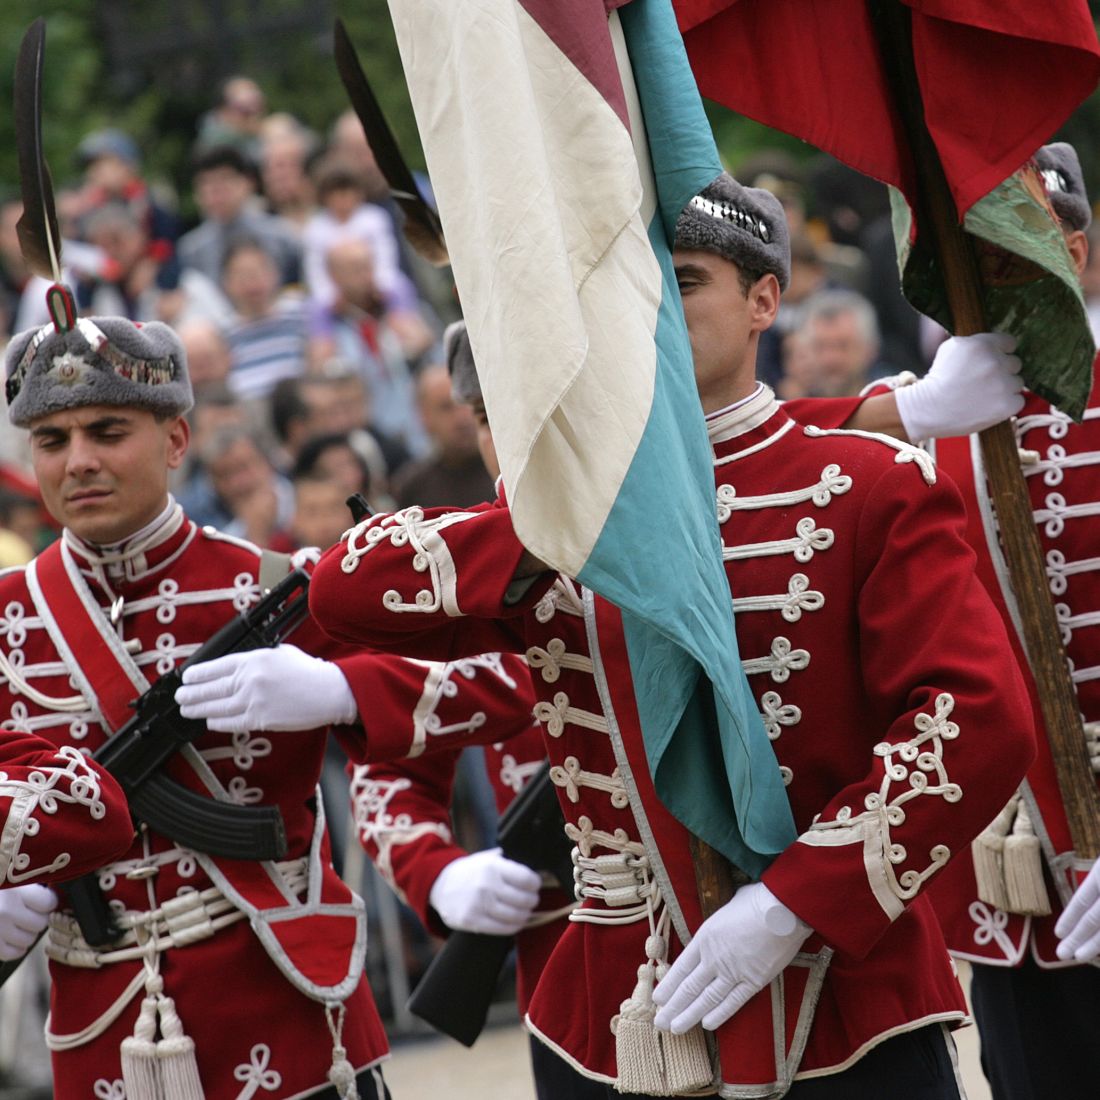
<point>99,361</point>
<point>460,363</point>
<point>1061,172</point>
<point>745,225</point>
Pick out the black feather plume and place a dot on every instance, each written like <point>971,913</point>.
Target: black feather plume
<point>39,238</point>
<point>422,227</point>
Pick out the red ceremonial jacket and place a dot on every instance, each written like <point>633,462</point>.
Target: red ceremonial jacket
<point>61,814</point>
<point>879,666</point>
<point>1061,464</point>
<point>166,592</point>
<point>402,808</point>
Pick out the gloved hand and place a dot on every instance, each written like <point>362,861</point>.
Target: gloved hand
<point>737,952</point>
<point>974,382</point>
<point>1079,925</point>
<point>24,914</point>
<point>485,892</point>
<point>280,688</point>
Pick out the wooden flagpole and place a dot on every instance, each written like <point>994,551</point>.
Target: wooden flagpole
<point>954,247</point>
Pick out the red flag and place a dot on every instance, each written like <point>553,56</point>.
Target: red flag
<point>997,77</point>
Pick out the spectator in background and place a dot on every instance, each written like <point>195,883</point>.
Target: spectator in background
<point>453,473</point>
<point>208,355</point>
<point>348,144</point>
<point>225,191</point>
<point>320,514</point>
<point>256,501</point>
<point>336,402</point>
<point>842,339</point>
<point>809,275</point>
<point>110,164</point>
<point>288,188</point>
<point>356,329</point>
<point>345,214</point>
<point>134,281</point>
<point>334,457</point>
<point>797,378</point>
<point>236,119</point>
<point>267,339</point>
<point>216,411</point>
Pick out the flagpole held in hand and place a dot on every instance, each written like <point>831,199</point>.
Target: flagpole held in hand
<point>958,263</point>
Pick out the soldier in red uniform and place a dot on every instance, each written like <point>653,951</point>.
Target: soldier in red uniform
<point>1036,1001</point>
<point>402,808</point>
<point>879,666</point>
<point>229,977</point>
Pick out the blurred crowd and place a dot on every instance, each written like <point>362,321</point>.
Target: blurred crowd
<point>313,330</point>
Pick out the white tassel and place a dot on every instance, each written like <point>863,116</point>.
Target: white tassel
<point>686,1057</point>
<point>163,1069</point>
<point>651,1061</point>
<point>637,1045</point>
<point>139,1055</point>
<point>988,852</point>
<point>1023,863</point>
<point>341,1073</point>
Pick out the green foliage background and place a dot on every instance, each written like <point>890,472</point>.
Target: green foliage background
<point>152,67</point>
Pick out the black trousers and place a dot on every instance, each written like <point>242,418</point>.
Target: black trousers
<point>1039,1030</point>
<point>370,1085</point>
<point>919,1065</point>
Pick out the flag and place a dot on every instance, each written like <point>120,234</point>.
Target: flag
<point>563,138</point>
<point>997,79</point>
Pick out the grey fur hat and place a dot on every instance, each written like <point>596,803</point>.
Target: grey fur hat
<point>100,361</point>
<point>460,363</point>
<point>745,225</point>
<point>1061,172</point>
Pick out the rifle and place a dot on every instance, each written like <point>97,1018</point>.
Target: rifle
<point>456,990</point>
<point>136,753</point>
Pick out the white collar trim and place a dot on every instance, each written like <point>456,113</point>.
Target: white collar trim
<point>743,416</point>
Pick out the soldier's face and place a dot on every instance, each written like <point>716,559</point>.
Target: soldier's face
<point>103,470</point>
<point>724,324</point>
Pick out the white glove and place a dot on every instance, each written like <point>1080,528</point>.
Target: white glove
<point>485,892</point>
<point>974,382</point>
<point>1079,925</point>
<point>266,689</point>
<point>737,952</point>
<point>24,914</point>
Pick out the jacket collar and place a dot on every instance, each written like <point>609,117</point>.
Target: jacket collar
<point>748,426</point>
<point>144,552</point>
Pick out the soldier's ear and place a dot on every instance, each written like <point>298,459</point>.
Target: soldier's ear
<point>178,438</point>
<point>1078,244</point>
<point>764,302</point>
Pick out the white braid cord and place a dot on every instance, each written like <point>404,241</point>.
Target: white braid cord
<point>70,704</point>
<point>201,918</point>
